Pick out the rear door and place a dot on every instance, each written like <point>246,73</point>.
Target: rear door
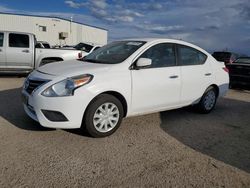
<point>19,53</point>
<point>158,86</point>
<point>196,73</point>
<point>2,51</point>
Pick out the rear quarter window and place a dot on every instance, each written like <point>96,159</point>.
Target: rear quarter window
<point>190,56</point>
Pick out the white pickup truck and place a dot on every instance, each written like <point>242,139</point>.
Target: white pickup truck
<point>18,53</point>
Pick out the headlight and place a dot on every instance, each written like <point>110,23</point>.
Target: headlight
<point>67,87</point>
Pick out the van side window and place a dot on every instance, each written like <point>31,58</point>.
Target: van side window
<point>1,39</point>
<point>18,40</point>
<point>162,55</point>
<point>190,56</point>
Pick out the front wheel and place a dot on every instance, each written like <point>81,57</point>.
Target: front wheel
<point>208,101</point>
<point>103,116</point>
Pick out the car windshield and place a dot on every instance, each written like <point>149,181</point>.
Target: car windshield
<point>115,52</point>
<point>84,47</point>
<point>245,60</point>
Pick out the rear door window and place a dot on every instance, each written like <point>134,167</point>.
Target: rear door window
<point>1,39</point>
<point>190,56</point>
<point>18,40</point>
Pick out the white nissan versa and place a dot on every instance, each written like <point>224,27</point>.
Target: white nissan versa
<point>122,79</point>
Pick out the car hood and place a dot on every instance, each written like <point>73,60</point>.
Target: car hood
<point>73,68</point>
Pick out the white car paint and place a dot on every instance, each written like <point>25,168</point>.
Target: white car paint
<point>145,90</point>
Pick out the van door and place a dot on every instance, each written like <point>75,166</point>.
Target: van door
<point>19,53</point>
<point>2,52</point>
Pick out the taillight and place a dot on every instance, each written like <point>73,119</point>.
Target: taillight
<point>226,69</point>
<point>79,55</point>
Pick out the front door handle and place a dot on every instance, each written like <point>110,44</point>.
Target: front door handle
<point>26,51</point>
<point>1,50</point>
<point>208,74</point>
<point>173,77</point>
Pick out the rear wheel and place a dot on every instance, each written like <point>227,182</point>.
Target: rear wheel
<point>103,116</point>
<point>208,101</point>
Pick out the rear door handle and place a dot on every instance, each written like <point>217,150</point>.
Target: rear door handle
<point>1,50</point>
<point>26,51</point>
<point>208,74</point>
<point>173,77</point>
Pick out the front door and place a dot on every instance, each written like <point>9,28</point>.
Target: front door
<point>20,53</point>
<point>158,86</point>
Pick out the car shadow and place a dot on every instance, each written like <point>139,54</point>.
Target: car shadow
<point>224,134</point>
<point>11,109</point>
<point>78,132</point>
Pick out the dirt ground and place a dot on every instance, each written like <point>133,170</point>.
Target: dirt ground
<point>178,148</point>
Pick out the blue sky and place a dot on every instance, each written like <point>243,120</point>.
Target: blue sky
<point>213,25</point>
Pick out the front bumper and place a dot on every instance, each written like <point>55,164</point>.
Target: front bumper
<point>72,108</point>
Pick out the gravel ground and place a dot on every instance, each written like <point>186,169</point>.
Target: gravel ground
<point>176,148</point>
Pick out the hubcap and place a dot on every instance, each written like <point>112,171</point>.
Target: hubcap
<point>106,117</point>
<point>209,100</point>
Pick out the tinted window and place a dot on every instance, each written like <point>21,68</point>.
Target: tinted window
<point>38,45</point>
<point>46,45</point>
<point>84,47</point>
<point>162,55</point>
<point>115,52</point>
<point>221,56</point>
<point>190,56</point>
<point>1,39</point>
<point>18,40</point>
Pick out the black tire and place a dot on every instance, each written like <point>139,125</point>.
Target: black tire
<point>201,106</point>
<point>88,119</point>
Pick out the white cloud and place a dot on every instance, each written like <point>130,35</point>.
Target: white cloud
<point>73,4</point>
<point>99,4</point>
<point>125,18</point>
<point>5,9</point>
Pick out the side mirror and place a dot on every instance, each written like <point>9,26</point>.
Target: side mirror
<point>143,62</point>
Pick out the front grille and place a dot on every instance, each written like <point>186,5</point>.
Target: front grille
<point>31,85</point>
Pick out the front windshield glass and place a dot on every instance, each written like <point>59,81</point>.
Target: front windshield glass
<point>115,52</point>
<point>84,47</point>
<point>243,60</point>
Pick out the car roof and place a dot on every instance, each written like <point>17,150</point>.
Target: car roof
<point>168,40</point>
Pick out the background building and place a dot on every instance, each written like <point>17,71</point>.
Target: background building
<point>56,31</point>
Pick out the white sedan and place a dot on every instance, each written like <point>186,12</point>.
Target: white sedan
<point>122,79</point>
